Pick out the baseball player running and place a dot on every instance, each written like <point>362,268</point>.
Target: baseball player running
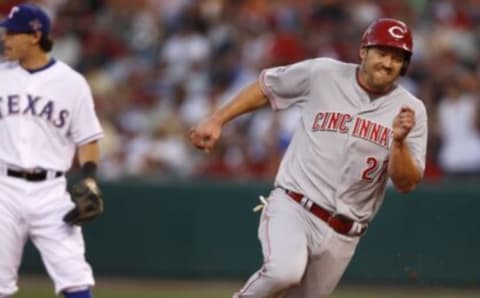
<point>46,114</point>
<point>357,128</point>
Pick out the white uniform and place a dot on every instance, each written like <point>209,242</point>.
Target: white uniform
<point>337,159</point>
<point>44,116</point>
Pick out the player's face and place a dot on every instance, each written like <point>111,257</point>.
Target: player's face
<point>380,67</point>
<point>16,45</point>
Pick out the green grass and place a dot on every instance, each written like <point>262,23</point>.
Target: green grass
<point>118,288</point>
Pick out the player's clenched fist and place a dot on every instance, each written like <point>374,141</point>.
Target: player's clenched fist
<point>205,135</point>
<point>403,123</point>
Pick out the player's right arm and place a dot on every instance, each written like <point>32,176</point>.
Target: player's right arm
<point>206,133</point>
<point>281,86</point>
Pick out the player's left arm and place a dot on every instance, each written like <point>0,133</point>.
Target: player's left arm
<point>88,153</point>
<point>404,166</point>
<point>85,132</point>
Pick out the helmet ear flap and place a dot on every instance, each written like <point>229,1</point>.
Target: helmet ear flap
<point>405,65</point>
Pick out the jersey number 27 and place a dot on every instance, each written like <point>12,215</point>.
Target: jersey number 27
<point>374,170</point>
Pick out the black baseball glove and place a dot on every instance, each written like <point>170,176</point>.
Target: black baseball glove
<point>88,202</point>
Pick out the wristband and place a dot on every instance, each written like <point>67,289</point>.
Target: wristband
<point>89,170</point>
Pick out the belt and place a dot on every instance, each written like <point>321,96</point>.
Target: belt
<point>36,176</point>
<point>341,224</point>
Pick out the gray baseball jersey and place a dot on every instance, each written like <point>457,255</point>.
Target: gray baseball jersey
<point>337,158</point>
<point>339,152</point>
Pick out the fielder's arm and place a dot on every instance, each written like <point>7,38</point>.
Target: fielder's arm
<point>205,135</point>
<point>88,158</point>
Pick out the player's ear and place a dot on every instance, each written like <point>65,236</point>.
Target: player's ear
<point>37,35</point>
<point>362,53</point>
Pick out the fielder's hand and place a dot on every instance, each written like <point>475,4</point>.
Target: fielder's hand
<point>205,135</point>
<point>403,123</point>
<point>88,203</point>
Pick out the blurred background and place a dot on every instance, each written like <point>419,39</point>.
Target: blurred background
<point>156,67</point>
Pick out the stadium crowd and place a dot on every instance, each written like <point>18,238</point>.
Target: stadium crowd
<point>156,67</point>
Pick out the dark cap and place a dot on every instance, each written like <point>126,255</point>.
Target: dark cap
<point>27,18</point>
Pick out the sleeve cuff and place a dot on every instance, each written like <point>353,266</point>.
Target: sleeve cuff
<point>89,139</point>
<point>267,92</point>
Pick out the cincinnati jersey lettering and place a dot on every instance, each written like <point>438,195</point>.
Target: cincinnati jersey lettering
<point>362,128</point>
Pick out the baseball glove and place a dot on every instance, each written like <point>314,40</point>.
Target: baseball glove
<point>88,203</point>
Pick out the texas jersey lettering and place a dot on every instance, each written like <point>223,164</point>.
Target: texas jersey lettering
<point>32,105</point>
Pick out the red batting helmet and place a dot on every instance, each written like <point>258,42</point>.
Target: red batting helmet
<point>391,33</point>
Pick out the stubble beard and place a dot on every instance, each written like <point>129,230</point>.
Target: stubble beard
<point>381,84</point>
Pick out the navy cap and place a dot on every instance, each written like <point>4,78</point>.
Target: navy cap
<point>27,18</point>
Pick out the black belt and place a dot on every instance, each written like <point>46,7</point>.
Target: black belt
<point>32,176</point>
